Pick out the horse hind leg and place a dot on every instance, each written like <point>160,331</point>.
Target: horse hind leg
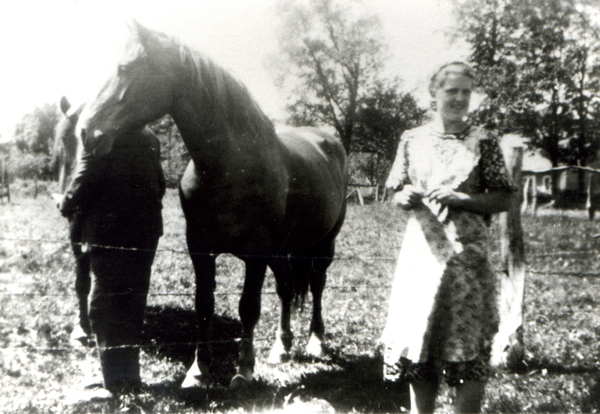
<point>280,351</point>
<point>292,278</point>
<point>322,257</point>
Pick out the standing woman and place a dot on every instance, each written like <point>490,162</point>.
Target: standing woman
<point>120,195</point>
<point>443,315</point>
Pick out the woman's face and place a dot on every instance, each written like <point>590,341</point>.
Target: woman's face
<point>453,97</point>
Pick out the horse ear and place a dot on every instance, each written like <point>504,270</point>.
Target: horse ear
<point>132,25</point>
<point>65,105</point>
<point>141,32</point>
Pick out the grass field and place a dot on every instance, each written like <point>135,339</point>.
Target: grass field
<point>41,372</point>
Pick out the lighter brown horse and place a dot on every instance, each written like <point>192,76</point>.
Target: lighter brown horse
<point>65,154</point>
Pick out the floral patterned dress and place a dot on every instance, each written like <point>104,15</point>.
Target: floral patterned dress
<point>442,314</point>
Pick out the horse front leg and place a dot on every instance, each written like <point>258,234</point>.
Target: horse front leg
<point>249,309</point>
<point>204,265</point>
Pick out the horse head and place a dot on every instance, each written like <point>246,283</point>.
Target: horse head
<point>66,143</point>
<point>138,92</point>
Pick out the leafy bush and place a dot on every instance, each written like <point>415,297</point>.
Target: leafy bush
<point>29,165</point>
<point>174,154</point>
<point>29,154</point>
<point>35,132</point>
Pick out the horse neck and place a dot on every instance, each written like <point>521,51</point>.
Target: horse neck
<point>63,176</point>
<point>192,125</point>
<point>66,163</point>
<point>212,143</point>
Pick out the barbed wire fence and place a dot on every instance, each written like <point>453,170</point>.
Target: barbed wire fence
<point>64,247</point>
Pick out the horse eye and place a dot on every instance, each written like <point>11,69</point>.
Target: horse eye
<point>123,69</point>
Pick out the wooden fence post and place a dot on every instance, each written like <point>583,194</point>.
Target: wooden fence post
<point>526,186</point>
<point>535,195</point>
<point>4,185</point>
<point>360,197</point>
<point>508,346</point>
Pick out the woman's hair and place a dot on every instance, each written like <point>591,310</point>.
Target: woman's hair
<point>461,68</point>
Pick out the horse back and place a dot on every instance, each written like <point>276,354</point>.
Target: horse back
<point>316,194</point>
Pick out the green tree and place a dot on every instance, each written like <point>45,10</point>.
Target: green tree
<point>537,61</point>
<point>34,139</point>
<point>384,114</point>
<point>35,132</point>
<point>332,53</point>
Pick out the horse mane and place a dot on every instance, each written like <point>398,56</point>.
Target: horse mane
<point>231,103</point>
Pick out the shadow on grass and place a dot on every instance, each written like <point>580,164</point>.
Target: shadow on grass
<point>346,382</point>
<point>350,386</point>
<point>171,333</point>
<point>352,383</point>
<point>554,367</point>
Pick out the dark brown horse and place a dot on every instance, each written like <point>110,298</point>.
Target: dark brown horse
<point>271,199</point>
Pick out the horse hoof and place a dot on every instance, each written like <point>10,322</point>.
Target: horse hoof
<point>278,357</point>
<point>280,352</point>
<point>238,381</point>
<point>314,348</point>
<point>516,356</point>
<point>79,338</point>
<point>192,381</point>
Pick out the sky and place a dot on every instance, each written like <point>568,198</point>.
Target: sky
<point>68,47</point>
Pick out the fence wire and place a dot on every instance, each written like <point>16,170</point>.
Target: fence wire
<point>349,256</point>
<point>340,256</point>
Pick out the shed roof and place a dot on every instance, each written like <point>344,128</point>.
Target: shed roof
<point>534,161</point>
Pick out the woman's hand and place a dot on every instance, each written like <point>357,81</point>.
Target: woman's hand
<point>446,196</point>
<point>485,203</point>
<point>408,198</point>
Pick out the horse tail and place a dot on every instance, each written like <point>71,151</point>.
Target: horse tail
<point>301,268</point>
<point>310,269</point>
<point>292,277</point>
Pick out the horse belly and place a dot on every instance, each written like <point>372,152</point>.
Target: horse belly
<point>226,224</point>
<point>309,219</point>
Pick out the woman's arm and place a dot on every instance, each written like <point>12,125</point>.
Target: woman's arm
<point>485,203</point>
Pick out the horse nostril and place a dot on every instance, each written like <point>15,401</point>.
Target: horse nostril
<point>83,134</point>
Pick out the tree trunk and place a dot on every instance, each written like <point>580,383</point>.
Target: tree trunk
<point>346,138</point>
